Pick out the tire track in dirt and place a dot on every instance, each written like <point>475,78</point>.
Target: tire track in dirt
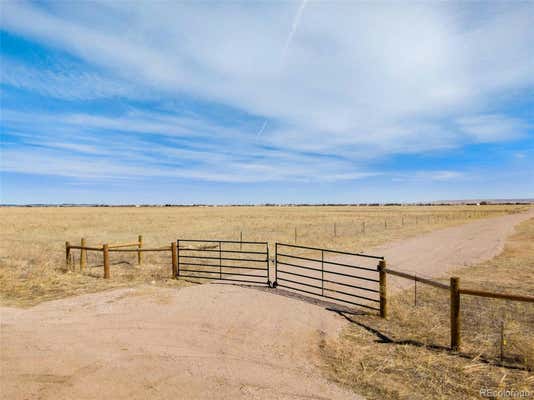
<point>204,342</point>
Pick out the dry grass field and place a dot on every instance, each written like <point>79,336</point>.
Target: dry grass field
<point>403,357</point>
<point>32,255</point>
<point>406,357</point>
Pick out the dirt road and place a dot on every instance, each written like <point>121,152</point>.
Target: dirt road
<point>201,342</point>
<point>437,253</point>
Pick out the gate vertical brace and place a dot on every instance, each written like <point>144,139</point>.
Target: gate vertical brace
<point>178,257</point>
<point>220,261</point>
<point>268,266</point>
<point>322,272</point>
<point>275,264</point>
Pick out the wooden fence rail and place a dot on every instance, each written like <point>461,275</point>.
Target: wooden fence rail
<point>85,248</point>
<point>117,247</point>
<point>165,248</point>
<point>455,292</point>
<point>417,278</point>
<point>494,295</point>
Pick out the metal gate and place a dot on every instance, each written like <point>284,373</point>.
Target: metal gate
<point>225,260</point>
<point>351,278</point>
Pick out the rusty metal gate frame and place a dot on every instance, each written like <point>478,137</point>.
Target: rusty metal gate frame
<point>218,273</point>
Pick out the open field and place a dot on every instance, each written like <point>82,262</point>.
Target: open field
<point>227,341</point>
<point>32,252</point>
<point>406,356</point>
<point>198,333</point>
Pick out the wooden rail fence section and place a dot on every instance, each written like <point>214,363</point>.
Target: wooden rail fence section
<point>116,247</point>
<point>455,292</point>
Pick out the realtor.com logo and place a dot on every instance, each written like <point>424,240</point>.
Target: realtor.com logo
<point>505,393</point>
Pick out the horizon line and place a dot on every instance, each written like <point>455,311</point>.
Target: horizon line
<point>474,201</point>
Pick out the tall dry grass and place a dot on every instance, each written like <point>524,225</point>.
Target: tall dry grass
<point>407,356</point>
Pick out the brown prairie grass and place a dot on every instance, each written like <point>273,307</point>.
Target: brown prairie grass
<point>407,356</point>
<point>32,250</point>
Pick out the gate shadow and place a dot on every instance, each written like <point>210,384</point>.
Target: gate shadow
<point>385,339</point>
<point>328,305</point>
<point>381,337</point>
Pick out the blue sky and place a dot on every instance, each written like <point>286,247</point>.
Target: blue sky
<point>242,102</point>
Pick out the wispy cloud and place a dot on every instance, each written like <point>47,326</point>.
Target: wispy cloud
<point>429,176</point>
<point>114,165</point>
<point>133,121</point>
<point>102,147</point>
<point>63,82</point>
<point>493,128</point>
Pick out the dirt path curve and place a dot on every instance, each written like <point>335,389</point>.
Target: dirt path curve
<point>437,253</point>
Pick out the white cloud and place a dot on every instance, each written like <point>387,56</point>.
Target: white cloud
<point>360,80</point>
<point>492,127</point>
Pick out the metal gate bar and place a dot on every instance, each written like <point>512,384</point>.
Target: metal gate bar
<point>328,262</point>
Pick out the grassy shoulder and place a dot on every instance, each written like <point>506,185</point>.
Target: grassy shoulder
<point>406,357</point>
<point>27,286</point>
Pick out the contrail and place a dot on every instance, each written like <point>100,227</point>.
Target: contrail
<point>262,128</point>
<point>289,39</point>
<point>294,27</point>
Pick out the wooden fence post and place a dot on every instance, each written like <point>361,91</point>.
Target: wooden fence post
<point>83,255</point>
<point>139,246</point>
<point>415,290</point>
<point>105,251</point>
<point>174,259</point>
<point>502,341</point>
<point>67,255</point>
<point>455,313</point>
<point>383,289</point>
